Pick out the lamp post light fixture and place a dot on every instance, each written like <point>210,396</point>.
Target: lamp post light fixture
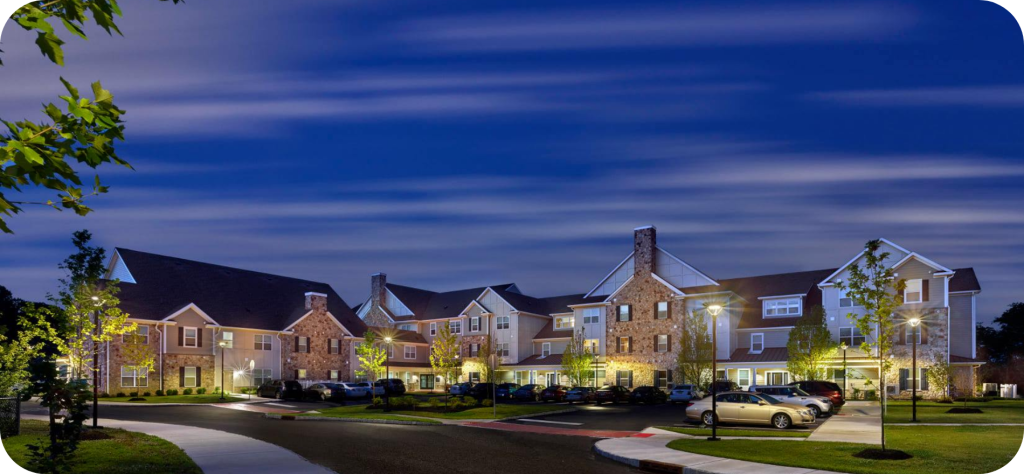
<point>222,345</point>
<point>914,323</point>
<point>387,372</point>
<point>714,310</point>
<point>844,347</point>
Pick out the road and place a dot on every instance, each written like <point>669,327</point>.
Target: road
<point>374,448</point>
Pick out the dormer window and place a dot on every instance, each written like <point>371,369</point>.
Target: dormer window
<point>564,322</point>
<point>757,343</point>
<point>545,349</point>
<point>783,307</point>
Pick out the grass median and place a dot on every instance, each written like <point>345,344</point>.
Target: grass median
<point>205,398</point>
<point>738,433</point>
<point>995,411</point>
<point>935,449</point>
<point>125,452</point>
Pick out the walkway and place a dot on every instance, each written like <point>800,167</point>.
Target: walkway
<point>648,450</point>
<point>858,422</point>
<point>220,452</point>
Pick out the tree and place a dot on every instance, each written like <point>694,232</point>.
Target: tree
<point>694,362</point>
<point>963,382</point>
<point>578,360</point>
<point>873,285</point>
<point>372,357</point>
<point>38,154</point>
<point>482,360</point>
<point>16,353</point>
<point>810,346</point>
<point>939,375</point>
<point>138,353</point>
<point>444,357</point>
<point>10,310</point>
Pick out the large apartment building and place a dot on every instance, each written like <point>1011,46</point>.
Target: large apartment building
<point>207,322</point>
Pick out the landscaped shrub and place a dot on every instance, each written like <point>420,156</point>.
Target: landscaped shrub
<point>159,393</point>
<point>470,401</point>
<point>406,403</point>
<point>202,390</point>
<point>456,405</point>
<point>488,402</point>
<point>146,394</point>
<point>377,403</point>
<point>133,394</point>
<point>434,402</point>
<point>188,391</point>
<point>104,395</point>
<point>121,395</point>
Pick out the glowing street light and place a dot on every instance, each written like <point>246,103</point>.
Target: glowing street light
<point>714,310</point>
<point>387,370</point>
<point>914,323</point>
<point>844,347</point>
<point>223,345</point>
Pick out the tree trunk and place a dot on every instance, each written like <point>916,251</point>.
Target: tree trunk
<point>883,393</point>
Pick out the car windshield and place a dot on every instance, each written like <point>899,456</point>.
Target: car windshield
<point>684,387</point>
<point>797,391</point>
<point>770,399</point>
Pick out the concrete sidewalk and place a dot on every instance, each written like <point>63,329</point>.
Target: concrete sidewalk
<point>220,452</point>
<point>858,422</point>
<point>648,450</point>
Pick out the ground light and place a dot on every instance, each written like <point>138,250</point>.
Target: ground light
<point>714,310</point>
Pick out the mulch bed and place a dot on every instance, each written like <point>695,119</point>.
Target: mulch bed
<point>964,410</point>
<point>94,435</point>
<point>880,455</point>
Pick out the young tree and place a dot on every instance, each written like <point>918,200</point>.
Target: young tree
<point>138,353</point>
<point>372,356</point>
<point>939,374</point>
<point>873,285</point>
<point>483,360</point>
<point>810,346</point>
<point>38,154</point>
<point>444,357</point>
<point>32,335</point>
<point>578,360</point>
<point>694,362</point>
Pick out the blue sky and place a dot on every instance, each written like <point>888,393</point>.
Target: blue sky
<point>480,142</point>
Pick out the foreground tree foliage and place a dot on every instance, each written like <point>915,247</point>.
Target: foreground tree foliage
<point>810,346</point>
<point>696,351</point>
<point>83,131</point>
<point>444,357</point>
<point>1003,347</point>
<point>372,356</point>
<point>578,360</point>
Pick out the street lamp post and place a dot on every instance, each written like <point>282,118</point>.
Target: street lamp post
<point>222,345</point>
<point>914,323</point>
<point>387,373</point>
<point>845,375</point>
<point>714,310</point>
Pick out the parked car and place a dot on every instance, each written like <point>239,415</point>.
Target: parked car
<point>647,394</point>
<point>580,394</point>
<point>505,390</point>
<point>349,391</point>
<point>392,387</point>
<point>554,393</point>
<point>822,388</point>
<point>611,393</point>
<point>795,396</point>
<point>529,392</point>
<point>481,391</point>
<point>685,392</point>
<point>460,388</point>
<point>280,389</point>
<point>722,386</point>
<point>317,391</point>
<point>749,408</point>
<point>378,390</point>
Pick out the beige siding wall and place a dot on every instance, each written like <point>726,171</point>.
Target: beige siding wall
<point>190,319</point>
<point>772,337</point>
<point>526,327</point>
<point>962,328</point>
<point>557,346</point>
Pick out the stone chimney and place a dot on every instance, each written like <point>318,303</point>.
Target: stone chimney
<point>644,242</point>
<point>317,301</point>
<point>378,288</point>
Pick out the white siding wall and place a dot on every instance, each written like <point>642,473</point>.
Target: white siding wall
<point>396,306</point>
<point>616,279</point>
<point>676,273</point>
<point>593,331</point>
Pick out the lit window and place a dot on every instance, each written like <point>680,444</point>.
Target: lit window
<point>662,310</point>
<point>228,338</point>
<point>913,292</point>
<point>190,376</point>
<point>191,338</point>
<point>334,375</point>
<point>564,322</point>
<point>502,322</point>
<point>662,378</point>
<point>591,344</point>
<point>756,343</point>
<point>301,373</point>
<point>662,343</point>
<point>624,312</point>
<point>545,349</point>
<point>851,336</point>
<point>786,307</point>
<point>455,326</point>
<point>623,344</point>
<point>261,342</point>
<point>134,377</point>
<point>474,324</point>
<point>591,315</point>
<point>410,352</point>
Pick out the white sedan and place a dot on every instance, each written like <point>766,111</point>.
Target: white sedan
<point>684,393</point>
<point>352,390</point>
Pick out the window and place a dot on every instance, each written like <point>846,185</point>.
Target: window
<point>474,377</point>
<point>545,349</point>
<point>410,352</point>
<point>851,336</point>
<point>262,342</point>
<point>624,378</point>
<point>785,307</point>
<point>662,310</point>
<point>591,315</point>
<point>474,350</point>
<point>228,339</point>
<point>743,377</point>
<point>911,330</point>
<point>564,322</point>
<point>391,351</point>
<point>455,326</point>
<point>592,345</point>
<point>303,344</point>
<point>433,329</point>
<point>662,378</point>
<point>913,292</point>
<point>334,375</point>
<point>474,324</point>
<point>503,349</point>
<point>191,337</point>
<point>623,344</point>
<point>335,347</point>
<point>777,378</point>
<point>845,301</point>
<point>134,377</point>
<point>908,382</point>
<point>502,322</point>
<point>624,312</point>
<point>757,343</point>
<point>407,327</point>
<point>662,340</point>
<point>427,382</point>
<point>300,373</point>
<point>261,376</point>
<point>190,377</point>
<point>142,333</point>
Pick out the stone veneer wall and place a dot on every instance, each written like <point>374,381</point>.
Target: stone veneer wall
<point>172,371</point>
<point>927,354</point>
<point>118,360</point>
<point>318,327</point>
<point>643,293</point>
<point>378,288</point>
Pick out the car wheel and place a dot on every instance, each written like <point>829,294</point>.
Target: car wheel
<point>781,421</point>
<point>815,410</point>
<point>707,418</point>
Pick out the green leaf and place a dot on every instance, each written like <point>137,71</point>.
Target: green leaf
<point>49,44</point>
<point>101,94</point>
<point>77,30</point>
<point>71,89</point>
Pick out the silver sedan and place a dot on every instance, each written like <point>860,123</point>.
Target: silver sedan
<point>749,408</point>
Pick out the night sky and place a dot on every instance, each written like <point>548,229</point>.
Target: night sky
<point>466,143</point>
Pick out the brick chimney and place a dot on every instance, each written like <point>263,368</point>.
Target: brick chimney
<point>378,288</point>
<point>644,242</point>
<point>316,301</point>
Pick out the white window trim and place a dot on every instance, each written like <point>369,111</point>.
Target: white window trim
<point>658,348</point>
<point>852,337</point>
<point>474,324</point>
<point>799,307</point>
<point>228,338</point>
<point>184,337</point>
<point>134,376</point>
<point>739,377</point>
<point>572,322</point>
<point>618,313</point>
<point>405,353</point>
<point>265,376</point>
<point>752,337</point>
<point>303,347</point>
<point>302,374</point>
<point>545,349</point>
<point>596,315</point>
<point>265,342</point>
<point>433,329</point>
<point>455,322</point>
<point>657,314</point>
<point>920,292</point>
<point>193,377</point>
<point>841,295</point>
<point>335,347</point>
<point>507,320</point>
<point>624,344</point>
<point>335,375</point>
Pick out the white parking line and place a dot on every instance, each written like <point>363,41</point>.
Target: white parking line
<point>553,422</point>
<point>280,405</point>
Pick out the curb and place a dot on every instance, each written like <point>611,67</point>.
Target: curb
<point>278,416</point>
<point>649,465</point>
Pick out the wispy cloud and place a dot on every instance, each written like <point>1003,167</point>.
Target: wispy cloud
<point>1011,96</point>
<point>554,30</point>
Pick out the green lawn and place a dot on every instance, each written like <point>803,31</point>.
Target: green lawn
<point>206,398</point>
<point>936,449</point>
<point>740,433</point>
<point>126,452</point>
<point>360,412</point>
<point>487,413</point>
<point>995,411</point>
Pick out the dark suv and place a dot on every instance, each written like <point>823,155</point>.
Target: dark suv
<point>722,386</point>
<point>611,393</point>
<point>648,394</point>
<point>822,388</point>
<point>281,389</point>
<point>392,387</point>
<point>481,391</point>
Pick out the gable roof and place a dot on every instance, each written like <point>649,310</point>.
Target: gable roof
<point>964,280</point>
<point>782,284</point>
<point>233,297</point>
<point>839,270</point>
<point>428,305</point>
